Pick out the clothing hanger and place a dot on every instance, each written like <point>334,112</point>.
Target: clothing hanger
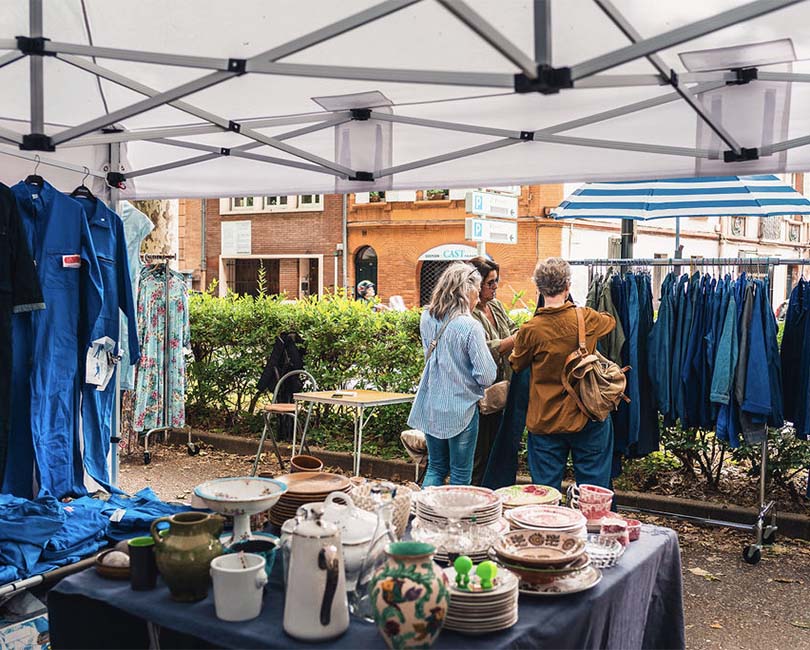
<point>34,179</point>
<point>82,191</point>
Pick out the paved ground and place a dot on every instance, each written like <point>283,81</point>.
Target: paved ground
<point>728,603</point>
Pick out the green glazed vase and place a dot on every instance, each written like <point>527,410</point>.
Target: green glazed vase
<point>184,554</point>
<point>409,596</point>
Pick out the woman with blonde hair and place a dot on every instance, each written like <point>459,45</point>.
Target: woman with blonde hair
<point>458,367</point>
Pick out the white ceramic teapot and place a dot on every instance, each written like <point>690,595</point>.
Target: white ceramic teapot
<point>357,529</point>
<point>315,606</point>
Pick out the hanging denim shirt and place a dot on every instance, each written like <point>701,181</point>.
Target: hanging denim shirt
<point>660,347</point>
<point>681,300</point>
<point>795,355</point>
<point>50,345</point>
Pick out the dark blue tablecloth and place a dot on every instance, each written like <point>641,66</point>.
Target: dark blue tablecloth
<point>638,604</point>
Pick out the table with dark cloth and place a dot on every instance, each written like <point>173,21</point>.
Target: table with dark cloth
<point>638,604</point>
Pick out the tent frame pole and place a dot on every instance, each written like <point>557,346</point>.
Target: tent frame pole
<point>677,36</point>
<point>542,32</point>
<point>453,155</point>
<point>633,35</point>
<point>37,78</point>
<point>486,31</point>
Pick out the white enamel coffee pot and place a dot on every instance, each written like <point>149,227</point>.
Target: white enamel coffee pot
<point>315,606</point>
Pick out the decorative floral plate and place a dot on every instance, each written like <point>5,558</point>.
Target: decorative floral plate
<point>564,585</point>
<point>534,548</point>
<point>546,516</point>
<point>526,495</point>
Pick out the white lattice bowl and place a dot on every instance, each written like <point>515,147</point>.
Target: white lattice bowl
<point>361,494</point>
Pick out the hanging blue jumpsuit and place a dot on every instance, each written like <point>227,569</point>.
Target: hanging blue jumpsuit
<point>107,232</point>
<point>49,346</point>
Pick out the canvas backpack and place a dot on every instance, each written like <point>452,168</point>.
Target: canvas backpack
<point>594,382</point>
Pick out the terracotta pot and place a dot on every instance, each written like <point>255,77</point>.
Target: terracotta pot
<point>304,463</point>
<point>410,596</point>
<point>184,554</point>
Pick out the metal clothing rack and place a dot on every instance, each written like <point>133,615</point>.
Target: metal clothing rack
<point>763,533</point>
<point>192,447</point>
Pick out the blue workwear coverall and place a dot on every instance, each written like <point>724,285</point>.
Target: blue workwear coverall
<point>107,231</point>
<point>49,346</point>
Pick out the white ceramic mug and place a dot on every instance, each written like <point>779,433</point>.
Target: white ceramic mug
<point>239,579</point>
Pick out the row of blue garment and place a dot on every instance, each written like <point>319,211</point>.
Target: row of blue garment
<point>39,535</point>
<point>58,432</point>
<point>796,360</point>
<point>628,298</point>
<point>714,358</point>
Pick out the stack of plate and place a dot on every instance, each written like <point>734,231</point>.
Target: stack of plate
<point>423,532</point>
<point>515,496</point>
<point>302,488</point>
<point>548,518</point>
<point>476,611</point>
<point>547,562</point>
<point>485,507</point>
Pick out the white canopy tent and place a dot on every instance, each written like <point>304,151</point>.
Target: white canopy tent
<point>252,97</point>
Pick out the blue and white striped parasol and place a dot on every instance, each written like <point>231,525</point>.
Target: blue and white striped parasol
<point>762,196</point>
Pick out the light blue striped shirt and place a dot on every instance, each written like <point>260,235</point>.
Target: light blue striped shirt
<point>454,378</point>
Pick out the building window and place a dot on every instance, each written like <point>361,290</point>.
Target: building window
<point>437,194</point>
<point>242,203</point>
<point>243,276</point>
<point>365,266</point>
<point>376,197</point>
<point>276,203</point>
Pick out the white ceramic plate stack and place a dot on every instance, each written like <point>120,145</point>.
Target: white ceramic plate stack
<point>485,506</point>
<point>548,518</point>
<point>476,611</point>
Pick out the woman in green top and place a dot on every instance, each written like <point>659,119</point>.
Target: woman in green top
<point>499,331</point>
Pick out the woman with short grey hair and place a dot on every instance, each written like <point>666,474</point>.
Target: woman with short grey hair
<point>458,367</point>
<point>557,427</point>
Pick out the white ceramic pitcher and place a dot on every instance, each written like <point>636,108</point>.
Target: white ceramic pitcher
<point>315,606</point>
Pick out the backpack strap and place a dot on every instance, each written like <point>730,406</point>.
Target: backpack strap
<point>576,355</point>
<point>581,330</point>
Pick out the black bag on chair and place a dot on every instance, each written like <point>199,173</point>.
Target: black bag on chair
<point>287,355</point>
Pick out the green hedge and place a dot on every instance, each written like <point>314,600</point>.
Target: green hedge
<point>347,343</point>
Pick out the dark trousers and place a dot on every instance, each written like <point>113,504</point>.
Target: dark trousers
<point>502,467</point>
<point>488,426</point>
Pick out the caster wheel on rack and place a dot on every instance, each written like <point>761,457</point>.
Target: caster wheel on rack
<point>192,449</point>
<point>769,535</point>
<point>147,457</point>
<point>752,554</point>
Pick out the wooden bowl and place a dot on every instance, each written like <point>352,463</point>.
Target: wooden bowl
<point>111,572</point>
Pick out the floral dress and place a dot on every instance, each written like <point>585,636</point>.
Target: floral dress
<point>149,382</point>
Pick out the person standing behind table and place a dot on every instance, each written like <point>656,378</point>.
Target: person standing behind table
<point>458,367</point>
<point>557,427</point>
<point>499,331</point>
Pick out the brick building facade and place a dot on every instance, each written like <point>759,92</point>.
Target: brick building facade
<point>415,237</point>
<point>294,238</point>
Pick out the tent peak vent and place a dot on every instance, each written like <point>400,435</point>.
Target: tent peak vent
<point>361,114</point>
<point>239,66</point>
<point>744,76</point>
<point>743,155</point>
<point>37,142</point>
<point>549,80</point>
<point>33,45</point>
<point>362,176</point>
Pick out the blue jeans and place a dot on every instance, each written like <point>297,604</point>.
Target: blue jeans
<point>453,456</point>
<point>591,448</point>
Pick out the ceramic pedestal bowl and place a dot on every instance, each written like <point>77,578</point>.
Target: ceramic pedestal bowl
<point>240,498</point>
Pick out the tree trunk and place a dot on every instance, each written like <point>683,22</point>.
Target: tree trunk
<point>164,215</point>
